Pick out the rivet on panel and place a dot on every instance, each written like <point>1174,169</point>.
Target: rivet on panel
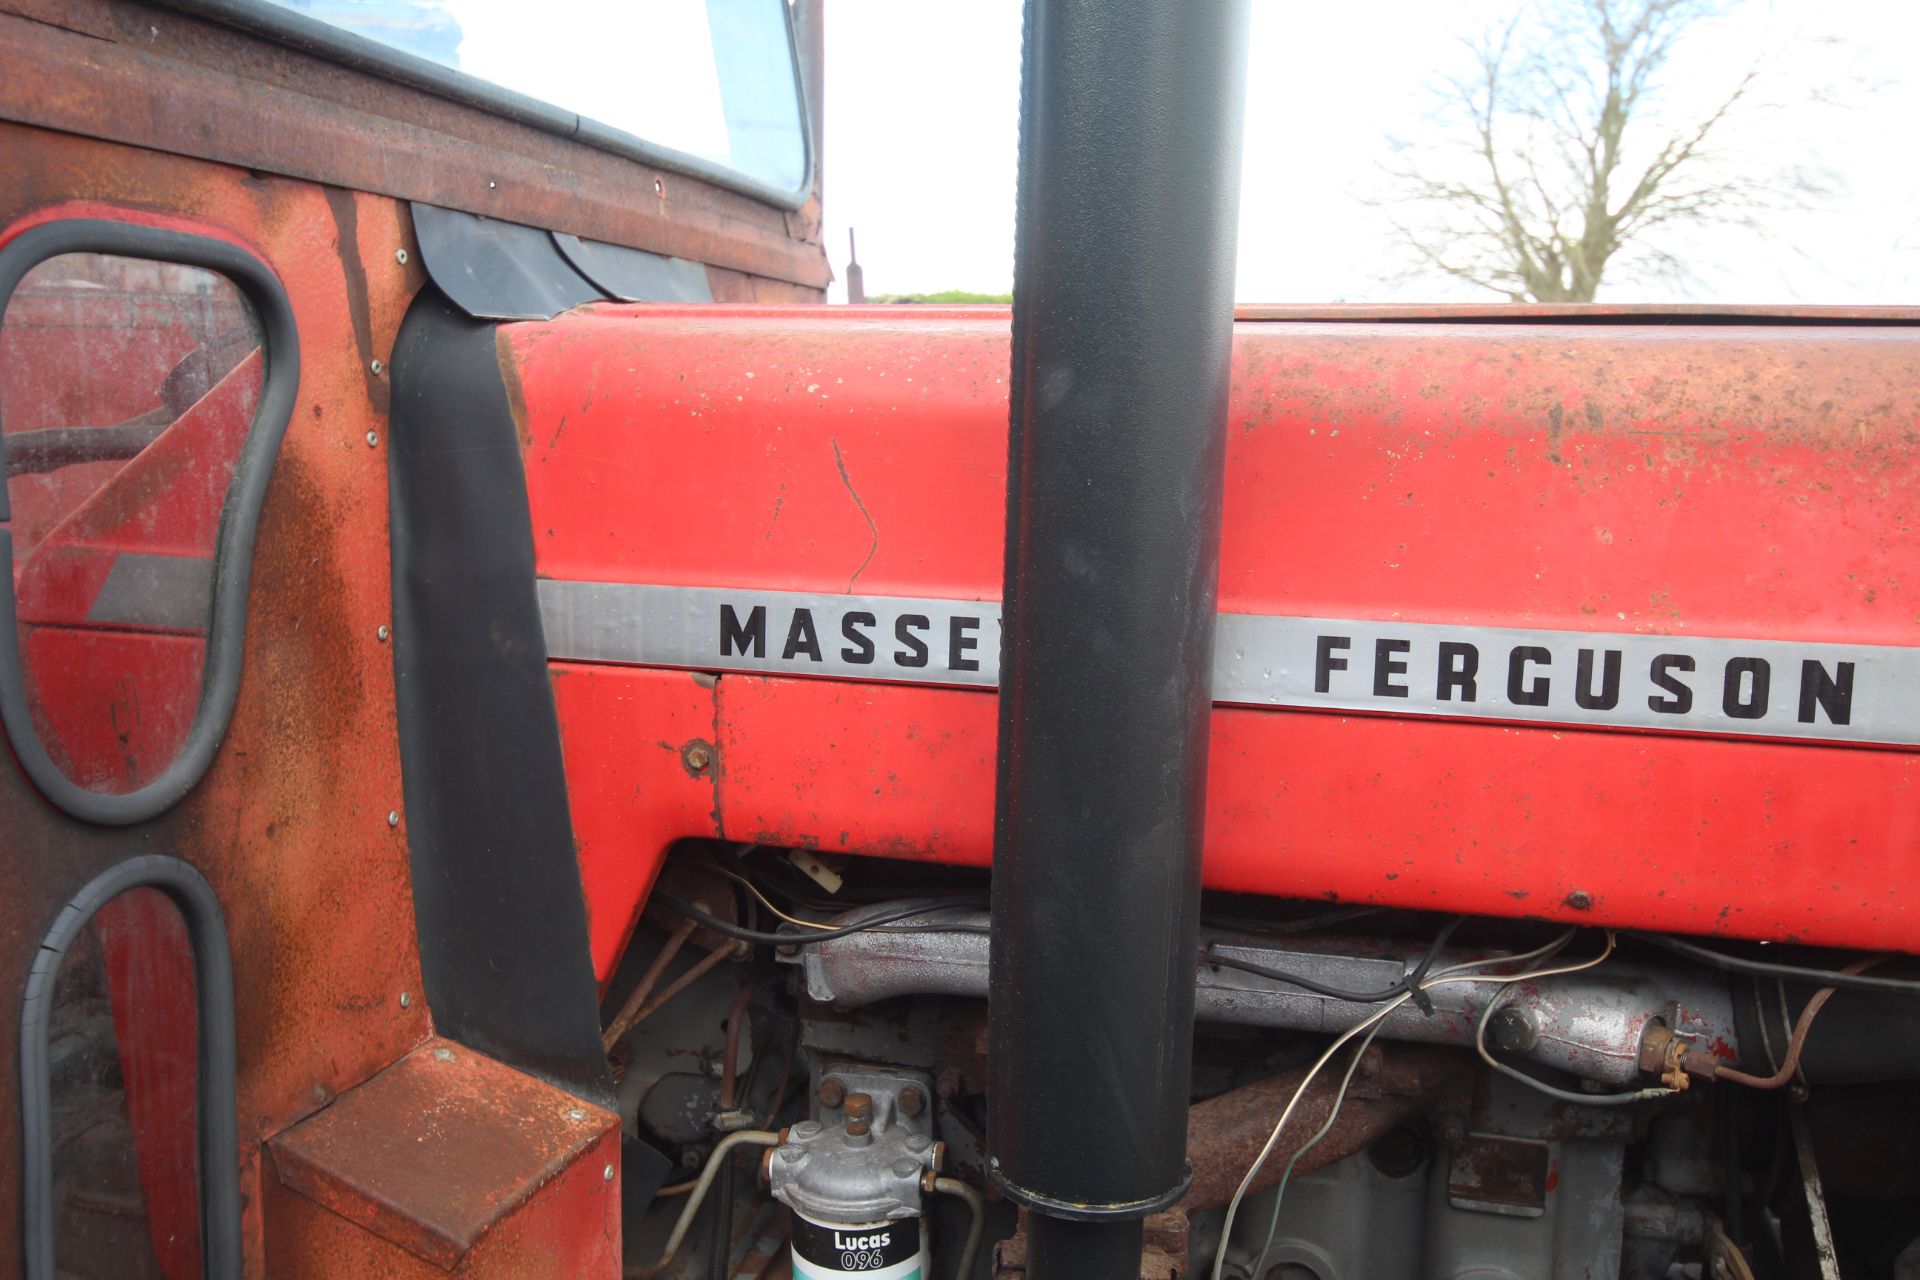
<point>575,1113</point>
<point>384,631</point>
<point>378,368</point>
<point>393,817</point>
<point>443,1055</point>
<point>400,256</point>
<point>373,438</point>
<point>606,1174</point>
<point>406,999</point>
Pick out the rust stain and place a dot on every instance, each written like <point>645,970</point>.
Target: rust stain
<point>516,395</point>
<point>436,1151</point>
<point>289,824</point>
<point>1394,1084</point>
<point>346,222</point>
<point>872,528</point>
<point>699,757</point>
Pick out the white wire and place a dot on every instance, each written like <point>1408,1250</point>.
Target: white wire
<point>1240,1193</point>
<point>1480,1043</point>
<point>767,902</point>
<point>1451,974</point>
<point>1333,1113</point>
<point>1625,1099</point>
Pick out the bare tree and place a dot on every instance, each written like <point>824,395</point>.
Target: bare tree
<point>1555,168</point>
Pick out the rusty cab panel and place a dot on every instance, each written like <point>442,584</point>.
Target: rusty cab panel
<point>212,233</point>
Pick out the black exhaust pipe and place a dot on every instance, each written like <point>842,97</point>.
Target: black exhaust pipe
<point>1122,330</point>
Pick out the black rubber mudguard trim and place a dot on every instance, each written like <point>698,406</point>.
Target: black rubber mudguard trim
<point>496,270</point>
<point>218,1119</point>
<point>239,518</point>
<point>496,885</point>
<point>634,275</point>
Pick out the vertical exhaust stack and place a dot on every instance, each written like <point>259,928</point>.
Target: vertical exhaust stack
<point>1122,330</point>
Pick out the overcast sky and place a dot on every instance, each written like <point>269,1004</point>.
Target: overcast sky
<point>922,99</point>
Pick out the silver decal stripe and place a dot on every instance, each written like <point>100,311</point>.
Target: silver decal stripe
<point>789,632</point>
<point>170,593</point>
<point>1772,688</point>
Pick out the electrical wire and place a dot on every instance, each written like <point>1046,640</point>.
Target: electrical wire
<point>1238,924</point>
<point>1729,1251</point>
<point>754,889</point>
<point>1840,980</point>
<point>1370,1021</point>
<point>774,876</point>
<point>765,901</point>
<point>1463,972</point>
<point>1798,1041</point>
<point>1540,1086</point>
<point>1409,984</point>
<point>897,911</point>
<point>1333,1114</point>
<point>1280,928</point>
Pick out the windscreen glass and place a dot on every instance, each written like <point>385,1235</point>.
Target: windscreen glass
<point>713,79</point>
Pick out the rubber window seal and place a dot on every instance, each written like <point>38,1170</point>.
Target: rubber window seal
<point>219,1136</point>
<point>239,520</point>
